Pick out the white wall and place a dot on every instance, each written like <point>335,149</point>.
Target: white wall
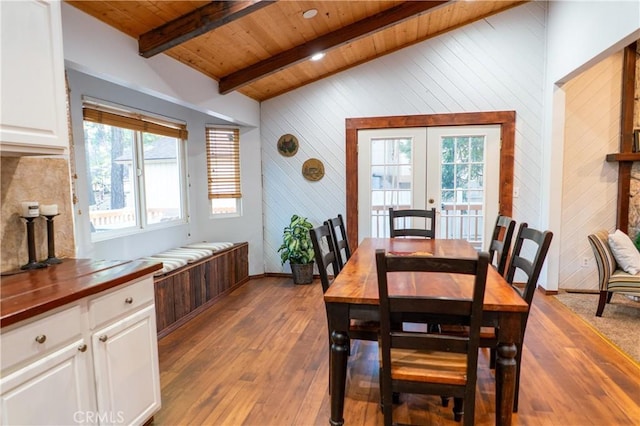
<point>582,33</point>
<point>494,64</point>
<point>172,88</point>
<point>579,35</point>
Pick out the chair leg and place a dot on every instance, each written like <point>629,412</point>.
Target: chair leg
<point>329,363</point>
<point>516,394</point>
<point>445,401</point>
<point>492,358</point>
<point>386,401</point>
<point>604,295</point>
<point>458,409</point>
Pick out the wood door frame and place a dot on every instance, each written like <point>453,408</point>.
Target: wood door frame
<point>626,136</point>
<point>506,120</point>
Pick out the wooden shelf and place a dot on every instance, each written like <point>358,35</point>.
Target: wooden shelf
<point>623,156</point>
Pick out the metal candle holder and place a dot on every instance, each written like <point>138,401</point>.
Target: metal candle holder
<point>31,246</point>
<point>51,259</point>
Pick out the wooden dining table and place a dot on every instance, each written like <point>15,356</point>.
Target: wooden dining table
<point>356,289</point>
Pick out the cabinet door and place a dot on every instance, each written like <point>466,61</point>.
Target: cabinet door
<point>54,390</point>
<point>126,368</point>
<point>33,102</point>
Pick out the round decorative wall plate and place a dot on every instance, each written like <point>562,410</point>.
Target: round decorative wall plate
<point>313,169</point>
<point>288,145</point>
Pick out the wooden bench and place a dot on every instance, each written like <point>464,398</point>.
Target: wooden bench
<point>183,293</point>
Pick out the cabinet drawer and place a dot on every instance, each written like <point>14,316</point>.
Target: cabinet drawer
<point>23,342</point>
<point>121,301</point>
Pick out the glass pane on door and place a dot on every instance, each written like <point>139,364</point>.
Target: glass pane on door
<point>462,191</point>
<point>391,180</point>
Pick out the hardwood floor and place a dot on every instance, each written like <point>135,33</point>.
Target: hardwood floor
<point>260,357</point>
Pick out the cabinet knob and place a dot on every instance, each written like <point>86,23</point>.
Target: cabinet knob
<point>103,338</point>
<point>41,338</point>
<point>82,348</point>
<point>128,300</point>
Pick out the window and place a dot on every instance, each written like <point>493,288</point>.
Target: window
<point>136,170</point>
<point>223,170</point>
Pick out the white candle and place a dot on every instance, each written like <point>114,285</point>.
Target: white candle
<point>30,209</point>
<point>49,209</point>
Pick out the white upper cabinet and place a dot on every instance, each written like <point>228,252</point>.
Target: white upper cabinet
<point>33,113</point>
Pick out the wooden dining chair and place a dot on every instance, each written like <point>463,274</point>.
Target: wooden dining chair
<point>340,242</point>
<point>529,264</point>
<point>364,325</point>
<point>501,242</point>
<point>403,223</point>
<point>428,363</point>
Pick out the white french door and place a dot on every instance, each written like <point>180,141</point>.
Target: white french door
<point>454,169</point>
<point>387,176</point>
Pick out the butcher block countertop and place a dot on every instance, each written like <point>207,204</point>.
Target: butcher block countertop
<point>26,294</point>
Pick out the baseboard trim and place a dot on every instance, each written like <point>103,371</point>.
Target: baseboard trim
<point>547,292</point>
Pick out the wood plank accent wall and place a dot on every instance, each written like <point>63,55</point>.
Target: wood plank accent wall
<point>589,187</point>
<point>182,294</point>
<point>496,64</point>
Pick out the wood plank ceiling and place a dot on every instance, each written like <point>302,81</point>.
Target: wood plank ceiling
<point>262,48</point>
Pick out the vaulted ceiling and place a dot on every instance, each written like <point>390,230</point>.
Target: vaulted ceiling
<point>263,48</point>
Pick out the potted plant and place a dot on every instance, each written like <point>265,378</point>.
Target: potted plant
<point>298,250</point>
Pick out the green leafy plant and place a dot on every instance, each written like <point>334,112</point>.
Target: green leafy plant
<point>296,243</point>
<point>636,241</point>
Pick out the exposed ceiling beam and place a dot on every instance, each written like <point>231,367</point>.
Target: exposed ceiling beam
<point>193,24</point>
<point>323,43</point>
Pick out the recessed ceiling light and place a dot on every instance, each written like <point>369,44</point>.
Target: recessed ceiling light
<point>308,14</point>
<point>317,56</point>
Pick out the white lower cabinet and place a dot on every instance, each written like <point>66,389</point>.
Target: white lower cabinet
<point>93,362</point>
<point>128,386</point>
<point>54,390</point>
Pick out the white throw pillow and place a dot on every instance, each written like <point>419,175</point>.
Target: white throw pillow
<point>626,254</point>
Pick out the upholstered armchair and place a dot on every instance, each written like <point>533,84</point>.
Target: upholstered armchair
<point>612,279</point>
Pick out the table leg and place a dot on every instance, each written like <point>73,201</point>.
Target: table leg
<point>338,319</point>
<point>339,357</point>
<point>506,362</point>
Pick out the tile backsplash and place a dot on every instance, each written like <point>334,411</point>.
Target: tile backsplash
<point>46,180</point>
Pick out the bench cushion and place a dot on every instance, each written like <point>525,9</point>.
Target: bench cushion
<point>190,255</point>
<point>210,246</point>
<point>168,264</point>
<point>180,256</point>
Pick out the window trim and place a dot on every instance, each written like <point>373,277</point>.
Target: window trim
<point>141,122</point>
